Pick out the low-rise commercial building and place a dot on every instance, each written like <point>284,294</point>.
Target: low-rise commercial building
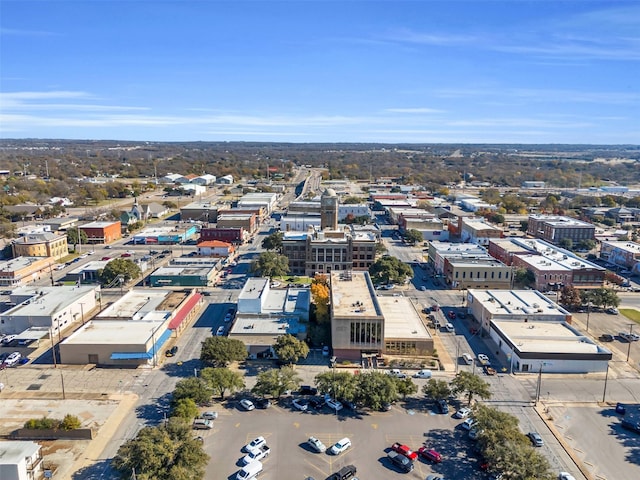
<point>554,229</point>
<point>439,252</point>
<point>20,460</point>
<point>53,308</point>
<point>133,330</point>
<point>259,199</point>
<point>22,270</point>
<point>479,232</point>
<point>215,248</point>
<point>553,267</point>
<point>621,254</point>
<point>246,221</point>
<point>535,333</point>
<point>477,272</point>
<point>183,276</point>
<point>234,236</point>
<point>41,245</point>
<point>265,313</point>
<point>200,211</point>
<point>102,232</point>
<point>164,235</point>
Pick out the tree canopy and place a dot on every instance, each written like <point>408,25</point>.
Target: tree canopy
<point>375,389</point>
<point>194,388</point>
<point>73,239</point>
<point>276,381</point>
<point>289,349</point>
<point>320,295</point>
<point>162,453</point>
<point>338,384</point>
<point>221,380</point>
<point>390,270</point>
<point>271,264</point>
<point>413,236</point>
<point>117,267</point>
<point>273,241</point>
<point>436,389</point>
<point>470,385</point>
<point>220,351</point>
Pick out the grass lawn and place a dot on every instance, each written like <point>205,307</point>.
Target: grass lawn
<point>631,314</point>
<point>293,279</point>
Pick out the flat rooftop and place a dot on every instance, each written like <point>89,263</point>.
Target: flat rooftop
<point>267,327</point>
<point>152,231</point>
<point>508,245</point>
<point>19,263</point>
<point>546,337</point>
<point>92,266</point>
<point>561,221</point>
<point>183,270</point>
<point>52,299</point>
<point>479,224</point>
<point>353,295</point>
<point>517,302</point>
<point>540,262</point>
<point>288,300</point>
<point>556,254</point>
<point>476,260</point>
<point>114,332</point>
<point>253,288</point>
<point>401,319</point>
<point>447,248</point>
<point>135,303</point>
<point>98,224</point>
<point>630,247</point>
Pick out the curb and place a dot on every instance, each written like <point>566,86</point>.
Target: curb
<point>565,446</point>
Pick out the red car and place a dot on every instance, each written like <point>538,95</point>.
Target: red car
<point>404,450</point>
<point>451,314</point>
<point>125,255</point>
<point>430,454</point>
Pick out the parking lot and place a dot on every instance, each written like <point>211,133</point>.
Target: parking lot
<point>372,433</point>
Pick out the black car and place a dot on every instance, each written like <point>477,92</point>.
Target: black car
<point>443,407</point>
<point>316,403</point>
<point>262,403</point>
<point>400,461</point>
<point>344,473</point>
<point>607,337</point>
<point>171,351</point>
<point>166,251</point>
<point>308,390</point>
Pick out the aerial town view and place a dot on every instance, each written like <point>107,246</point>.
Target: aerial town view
<point>319,240</point>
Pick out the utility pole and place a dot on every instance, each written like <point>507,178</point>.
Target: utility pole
<point>629,340</point>
<point>606,378</point>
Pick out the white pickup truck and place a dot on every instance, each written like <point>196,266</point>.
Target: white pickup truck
<point>256,454</point>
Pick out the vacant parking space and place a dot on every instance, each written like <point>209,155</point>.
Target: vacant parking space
<point>286,432</point>
<point>608,451</point>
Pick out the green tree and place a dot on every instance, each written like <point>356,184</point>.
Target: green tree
<point>289,349</point>
<point>470,385</point>
<point>436,389</point>
<point>405,386</point>
<point>222,379</point>
<point>185,408</point>
<point>70,422</point>
<point>159,453</point>
<point>586,244</point>
<point>221,351</point>
<point>352,200</point>
<point>273,241</point>
<point>570,297</point>
<point>523,278</point>
<point>73,239</point>
<point>271,264</point>
<point>390,270</point>
<point>276,381</point>
<point>413,236</point>
<point>375,389</point>
<point>194,388</point>
<point>566,243</point>
<point>338,384</point>
<point>119,267</point>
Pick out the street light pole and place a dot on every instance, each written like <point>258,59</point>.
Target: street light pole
<point>629,340</point>
<point>588,313</point>
<point>606,378</point>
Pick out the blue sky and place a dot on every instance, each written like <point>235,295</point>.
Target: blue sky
<point>516,71</point>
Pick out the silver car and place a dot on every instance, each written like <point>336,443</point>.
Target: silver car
<point>316,445</point>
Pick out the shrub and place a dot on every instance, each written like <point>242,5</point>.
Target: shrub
<point>70,422</point>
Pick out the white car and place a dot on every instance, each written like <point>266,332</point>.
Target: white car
<point>423,374</point>
<point>210,415</point>
<point>12,359</point>
<point>483,358</point>
<point>394,372</point>
<point>316,444</point>
<point>450,328</point>
<point>247,404</point>
<point>325,351</point>
<point>60,267</point>
<point>340,446</point>
<point>468,423</point>
<point>462,413</point>
<point>300,404</point>
<point>565,476</point>
<point>334,404</point>
<point>254,444</point>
